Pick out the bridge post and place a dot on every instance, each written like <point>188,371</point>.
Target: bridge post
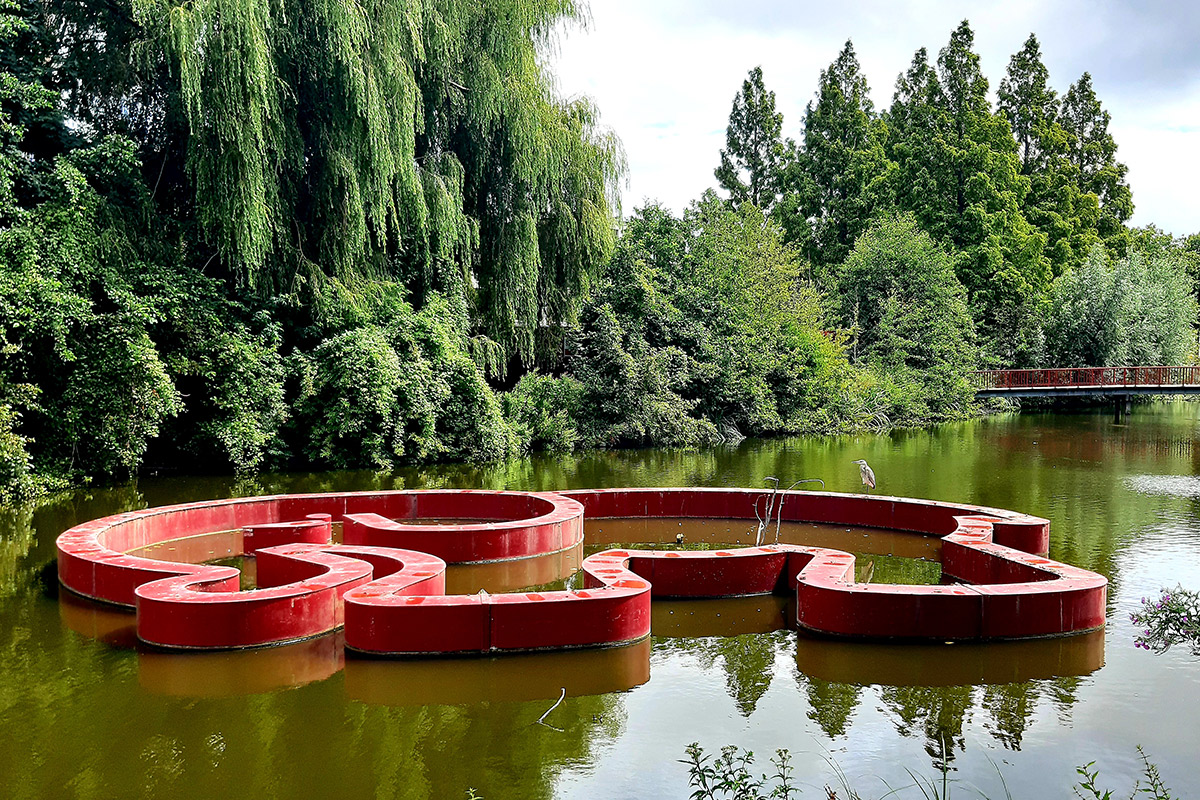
<point>1122,407</point>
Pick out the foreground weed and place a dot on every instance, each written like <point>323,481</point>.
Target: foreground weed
<point>1154,783</point>
<point>1087,788</point>
<point>1152,788</point>
<point>728,777</point>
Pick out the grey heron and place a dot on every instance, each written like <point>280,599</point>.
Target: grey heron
<point>866,473</point>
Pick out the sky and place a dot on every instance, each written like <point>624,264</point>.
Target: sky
<point>664,74</point>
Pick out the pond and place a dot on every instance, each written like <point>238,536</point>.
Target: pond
<point>87,713</point>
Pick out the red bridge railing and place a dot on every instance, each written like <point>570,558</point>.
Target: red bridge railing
<point>1086,377</point>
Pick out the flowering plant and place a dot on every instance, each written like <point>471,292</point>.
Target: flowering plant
<point>1173,618</point>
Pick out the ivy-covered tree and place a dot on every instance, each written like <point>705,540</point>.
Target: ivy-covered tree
<point>753,156</point>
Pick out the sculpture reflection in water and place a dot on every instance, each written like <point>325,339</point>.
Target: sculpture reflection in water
<point>405,682</point>
<point>928,691</point>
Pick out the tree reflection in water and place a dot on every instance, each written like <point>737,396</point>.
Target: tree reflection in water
<point>933,691</point>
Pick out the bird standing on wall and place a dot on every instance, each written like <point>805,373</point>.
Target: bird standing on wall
<point>867,474</point>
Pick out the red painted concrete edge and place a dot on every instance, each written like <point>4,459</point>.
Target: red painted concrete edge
<point>300,593</point>
<point>554,524</point>
<point>92,559</point>
<point>928,517</point>
<point>613,608</point>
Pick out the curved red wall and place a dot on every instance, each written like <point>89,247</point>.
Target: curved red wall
<point>386,583</point>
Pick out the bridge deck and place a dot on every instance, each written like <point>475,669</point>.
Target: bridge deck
<point>1087,381</point>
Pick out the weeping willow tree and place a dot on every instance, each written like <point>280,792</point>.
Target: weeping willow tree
<point>411,140</point>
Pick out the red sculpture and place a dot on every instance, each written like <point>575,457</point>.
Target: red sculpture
<point>386,582</point>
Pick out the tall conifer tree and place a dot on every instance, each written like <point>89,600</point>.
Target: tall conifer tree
<point>842,162</point>
<point>1029,103</point>
<point>911,120</point>
<point>1055,204</point>
<point>1093,152</point>
<point>753,154</point>
<point>959,173</point>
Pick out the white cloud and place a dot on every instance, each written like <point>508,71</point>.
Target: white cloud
<point>664,75</point>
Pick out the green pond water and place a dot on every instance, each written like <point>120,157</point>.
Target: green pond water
<point>85,712</point>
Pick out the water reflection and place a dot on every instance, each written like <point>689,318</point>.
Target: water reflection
<point>545,572</point>
<point>1168,485</point>
<point>92,716</point>
<point>16,524</point>
<point>929,692</point>
<point>733,616</point>
<point>932,691</point>
<point>236,673</point>
<point>113,626</point>
<point>447,681</point>
<point>969,664</point>
<point>511,678</point>
<point>937,715</point>
<point>700,533</point>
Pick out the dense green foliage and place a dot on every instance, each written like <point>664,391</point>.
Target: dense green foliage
<point>699,331</point>
<point>1135,310</point>
<point>246,234</point>
<point>240,235</point>
<point>899,294</point>
<point>424,145</point>
<point>1018,198</point>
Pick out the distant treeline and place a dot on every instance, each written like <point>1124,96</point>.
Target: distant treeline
<point>253,234</point>
<point>1027,200</point>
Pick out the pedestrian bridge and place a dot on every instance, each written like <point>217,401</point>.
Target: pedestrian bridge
<point>1119,383</point>
<point>1087,381</point>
